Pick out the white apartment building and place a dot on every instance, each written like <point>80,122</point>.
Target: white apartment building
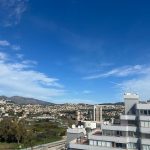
<point>133,132</point>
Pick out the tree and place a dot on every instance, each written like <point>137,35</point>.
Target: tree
<point>29,138</point>
<point>20,129</point>
<point>7,132</point>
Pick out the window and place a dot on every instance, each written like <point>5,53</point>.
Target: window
<point>99,143</point>
<point>123,133</point>
<point>131,146</point>
<point>108,144</point>
<point>91,142</point>
<point>145,136</point>
<point>95,143</point>
<point>108,132</point>
<point>146,124</point>
<point>145,112</point>
<point>145,147</point>
<point>142,123</point>
<point>103,144</point>
<point>131,133</point>
<point>141,112</point>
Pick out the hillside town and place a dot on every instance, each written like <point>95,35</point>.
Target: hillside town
<point>69,111</point>
<point>50,122</point>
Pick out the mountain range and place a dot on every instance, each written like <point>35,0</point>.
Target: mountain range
<point>24,100</point>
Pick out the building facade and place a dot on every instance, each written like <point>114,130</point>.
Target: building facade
<point>98,113</point>
<point>133,132</point>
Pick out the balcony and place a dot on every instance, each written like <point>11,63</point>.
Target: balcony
<point>116,143</point>
<point>84,146</point>
<point>143,106</point>
<point>119,128</point>
<point>144,118</point>
<point>116,139</point>
<point>145,141</point>
<point>76,130</point>
<point>89,147</point>
<point>127,117</point>
<point>145,130</point>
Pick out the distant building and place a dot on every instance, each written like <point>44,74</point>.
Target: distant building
<point>93,114</point>
<point>98,113</point>
<point>84,114</point>
<point>133,132</point>
<point>2,101</point>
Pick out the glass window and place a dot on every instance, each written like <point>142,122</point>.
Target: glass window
<point>146,147</point>
<point>141,112</point>
<point>104,132</point>
<point>103,143</point>
<point>91,142</point>
<point>148,112</point>
<point>146,124</point>
<point>99,143</point>
<point>131,146</point>
<point>123,133</point>
<point>145,112</point>
<point>131,133</point>
<point>95,143</point>
<point>142,123</point>
<point>108,144</point>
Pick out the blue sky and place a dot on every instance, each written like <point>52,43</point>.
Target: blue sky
<point>74,50</point>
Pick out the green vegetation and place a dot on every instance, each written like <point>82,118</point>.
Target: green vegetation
<point>5,146</point>
<point>15,133</point>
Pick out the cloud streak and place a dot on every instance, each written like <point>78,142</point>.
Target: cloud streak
<point>11,11</point>
<point>133,79</point>
<point>121,72</point>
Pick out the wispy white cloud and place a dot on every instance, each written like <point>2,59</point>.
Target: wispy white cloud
<point>31,62</point>
<point>87,92</point>
<point>138,79</point>
<point>7,44</point>
<point>4,43</point>
<point>139,85</point>
<point>19,79</point>
<point>16,47</point>
<point>11,11</point>
<point>122,72</point>
<point>3,56</point>
<point>20,56</point>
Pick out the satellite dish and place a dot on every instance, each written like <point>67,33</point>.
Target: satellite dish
<point>79,127</point>
<point>73,126</point>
